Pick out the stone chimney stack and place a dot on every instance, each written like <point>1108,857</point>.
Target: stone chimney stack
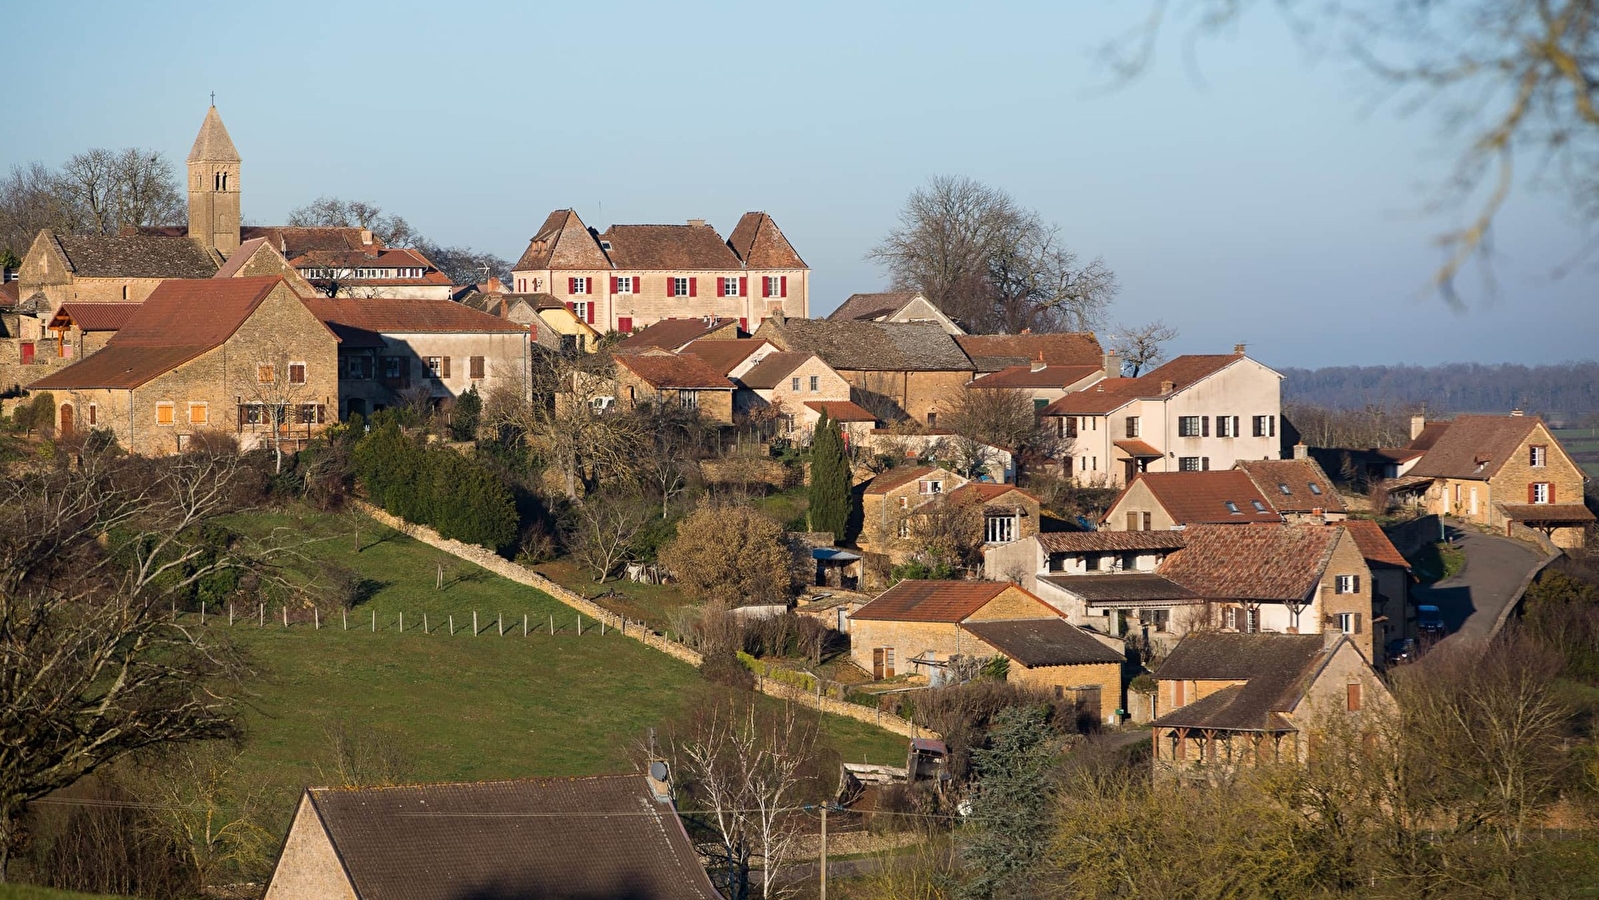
<point>1167,387</point>
<point>1301,451</point>
<point>696,223</point>
<point>1239,349</point>
<point>1417,423</point>
<point>1113,364</point>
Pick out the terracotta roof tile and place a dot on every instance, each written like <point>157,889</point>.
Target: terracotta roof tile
<point>989,491</point>
<point>1028,377</point>
<point>97,316</point>
<point>936,601</point>
<point>1138,449</point>
<point>1043,642</point>
<point>669,247</point>
<point>992,352</point>
<point>725,356</point>
<point>1374,543</point>
<point>1123,587</point>
<point>1548,513</point>
<point>1279,562</point>
<point>675,371</point>
<point>241,256</point>
<point>1293,485</point>
<point>562,242</point>
<point>10,293</point>
<point>903,475</point>
<point>1276,670</point>
<point>772,369</point>
<point>1473,446</point>
<point>1099,398</point>
<point>670,334</point>
<point>760,244</point>
<point>1192,498</point>
<point>1109,541</point>
<point>842,410</point>
<point>390,316</point>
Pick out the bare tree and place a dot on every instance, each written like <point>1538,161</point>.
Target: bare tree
<point>600,531</point>
<point>675,439</point>
<point>200,803</point>
<point>1141,347</point>
<point>1507,79</point>
<point>333,212</point>
<point>362,755</point>
<point>747,771</point>
<point>30,200</point>
<point>571,418</point>
<point>276,394</point>
<point>92,667</point>
<point>98,191</point>
<point>990,263</point>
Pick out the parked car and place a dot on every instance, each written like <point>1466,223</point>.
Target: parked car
<point>1429,621</point>
<point>1401,650</point>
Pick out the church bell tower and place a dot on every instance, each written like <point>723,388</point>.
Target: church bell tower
<point>214,187</point>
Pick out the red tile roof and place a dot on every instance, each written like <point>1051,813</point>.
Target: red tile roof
<point>390,316</point>
<point>1293,485</point>
<point>772,369</point>
<point>670,334</point>
<point>1029,377</point>
<point>562,242</point>
<point>669,248</point>
<point>1549,513</point>
<point>1109,541</point>
<point>988,491</point>
<point>95,316</point>
<point>992,352</point>
<point>1279,562</point>
<point>724,356</point>
<point>1113,393</point>
<point>760,244</point>
<point>939,601</point>
<point>1138,449</point>
<point>674,371</point>
<point>1099,398</point>
<point>10,293</point>
<point>1472,446</point>
<point>180,320</point>
<point>1193,498</point>
<point>1374,544</point>
<point>842,410</point>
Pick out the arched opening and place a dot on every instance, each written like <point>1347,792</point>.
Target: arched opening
<point>66,420</point>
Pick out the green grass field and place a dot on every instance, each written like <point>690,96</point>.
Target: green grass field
<point>459,706</point>
<point>29,892</point>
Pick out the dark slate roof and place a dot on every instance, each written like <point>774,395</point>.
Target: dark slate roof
<point>760,244</point>
<point>1124,587</point>
<point>135,256</point>
<point>549,838</point>
<point>1193,498</point>
<point>934,601</point>
<point>1109,541</point>
<point>1276,670</point>
<point>772,369</point>
<point>870,346</point>
<point>993,352</point>
<point>1043,642</point>
<point>1472,446</point>
<point>872,306</point>
<point>1271,562</point>
<point>1286,484</point>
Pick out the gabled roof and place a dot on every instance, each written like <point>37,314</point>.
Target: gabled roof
<point>1113,393</point>
<point>904,475</point>
<point>1104,396</point>
<point>242,255</point>
<point>1374,543</point>
<point>1123,588</point>
<point>671,334</point>
<point>842,410</point>
<point>295,240</point>
<point>1043,642</point>
<point>872,306</point>
<point>1277,670</point>
<point>602,836</point>
<point>94,316</point>
<point>1030,377</point>
<point>992,352</point>
<point>669,247</point>
<point>385,315</point>
<point>870,346</point>
<point>1278,562</point>
<point>212,144</point>
<point>562,242</point>
<point>674,371</point>
<point>134,256</point>
<point>937,601</point>
<point>988,491</point>
<point>1192,498</point>
<point>180,320</point>
<point>772,369</point>
<point>724,356</point>
<point>1293,485</point>
<point>1109,541</point>
<point>1472,446</point>
<point>760,244</point>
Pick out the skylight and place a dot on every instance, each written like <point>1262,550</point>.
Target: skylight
<point>1287,491</point>
<point>1232,508</point>
<point>1315,488</point>
<point>1259,506</point>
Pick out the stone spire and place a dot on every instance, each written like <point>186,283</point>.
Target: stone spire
<point>212,144</point>
<point>214,163</point>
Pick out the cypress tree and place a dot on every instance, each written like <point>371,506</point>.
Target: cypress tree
<point>830,479</point>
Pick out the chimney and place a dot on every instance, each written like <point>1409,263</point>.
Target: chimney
<point>1113,364</point>
<point>779,316</point>
<point>366,237</point>
<point>1239,348</point>
<point>696,223</point>
<point>1518,412</point>
<point>1167,387</point>
<point>1039,364</point>
<point>1417,423</point>
<point>660,781</point>
<point>1330,637</point>
<point>1301,451</point>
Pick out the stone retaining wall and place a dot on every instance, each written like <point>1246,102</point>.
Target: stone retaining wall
<point>635,630</point>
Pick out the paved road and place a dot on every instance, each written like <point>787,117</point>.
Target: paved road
<point>1472,600</point>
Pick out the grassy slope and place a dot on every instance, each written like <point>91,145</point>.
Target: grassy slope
<point>29,892</point>
<point>463,707</point>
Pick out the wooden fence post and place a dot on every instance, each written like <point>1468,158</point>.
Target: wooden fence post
<point>230,613</point>
<point>424,623</point>
<point>579,624</point>
<point>316,614</point>
<point>402,621</point>
<point>524,624</point>
<point>345,615</point>
<point>202,613</point>
<point>552,624</point>
<point>474,623</point>
<point>452,624</point>
<point>374,621</point>
<point>285,615</point>
<point>261,622</point>
<point>500,619</point>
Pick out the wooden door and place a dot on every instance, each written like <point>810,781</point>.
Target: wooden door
<point>66,420</point>
<point>883,663</point>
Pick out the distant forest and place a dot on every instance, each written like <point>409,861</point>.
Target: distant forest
<point>1563,393</point>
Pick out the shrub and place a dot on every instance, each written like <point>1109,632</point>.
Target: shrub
<point>729,553</point>
<point>724,667</point>
<point>465,415</point>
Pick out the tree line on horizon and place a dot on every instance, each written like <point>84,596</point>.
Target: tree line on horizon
<point>1565,393</point>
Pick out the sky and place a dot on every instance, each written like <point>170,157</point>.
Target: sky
<point>1248,191</point>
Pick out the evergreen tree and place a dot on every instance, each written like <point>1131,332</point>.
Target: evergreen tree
<point>830,479</point>
<point>1011,809</point>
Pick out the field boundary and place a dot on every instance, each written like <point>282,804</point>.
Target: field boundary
<point>638,631</point>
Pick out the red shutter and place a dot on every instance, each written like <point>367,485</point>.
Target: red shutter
<point>743,323</point>
<point>613,284</point>
<point>1532,493</point>
<point>782,286</point>
<point>766,288</point>
<point>743,287</point>
<point>671,286</point>
<point>721,288</point>
<point>591,313</point>
<point>571,306</point>
<point>571,285</point>
<point>693,287</point>
<point>625,324</point>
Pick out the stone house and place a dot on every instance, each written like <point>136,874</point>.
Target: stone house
<point>1041,382</point>
<point>1392,613</point>
<point>391,350</point>
<point>907,444</point>
<point>1054,655</point>
<point>599,836</point>
<point>905,508</point>
<point>631,276</point>
<point>1232,701</point>
<point>676,379</point>
<point>79,329</point>
<point>239,356</point>
<point>1501,472</point>
<point>373,272</point>
<point>796,387</point>
<point>894,306</point>
<point>888,508</point>
<point>552,324</point>
<point>1163,500</point>
<point>1288,579</point>
<point>894,370</point>
<point>1298,489</point>
<point>256,257</point>
<point>1195,413</point>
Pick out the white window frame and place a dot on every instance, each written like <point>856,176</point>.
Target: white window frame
<point>774,286</point>
<point>930,486</point>
<point>580,285</point>
<point>580,308</point>
<point>1346,584</point>
<point>679,287</point>
<point>1188,426</point>
<point>1227,426</point>
<point>1346,622</point>
<point>1000,529</point>
<point>730,287</point>
<point>1540,492</point>
<point>434,364</point>
<point>1188,464</point>
<point>1539,456</point>
<point>688,399</point>
<point>624,284</point>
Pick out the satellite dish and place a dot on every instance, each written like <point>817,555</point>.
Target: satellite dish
<point>658,770</point>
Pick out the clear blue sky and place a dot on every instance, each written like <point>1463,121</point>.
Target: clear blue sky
<point>1269,203</point>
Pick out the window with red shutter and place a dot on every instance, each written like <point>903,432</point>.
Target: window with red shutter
<point>571,285</point>
<point>721,290</point>
<point>783,286</point>
<point>591,312</point>
<point>613,284</point>
<point>743,323</point>
<point>766,287</point>
<point>693,287</point>
<point>743,287</point>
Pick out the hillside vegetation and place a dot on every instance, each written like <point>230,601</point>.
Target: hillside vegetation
<point>1566,393</point>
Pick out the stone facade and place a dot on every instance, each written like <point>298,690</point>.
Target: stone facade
<point>921,395</point>
<point>1481,501</point>
<point>935,641</point>
<point>309,867</point>
<point>445,365</point>
<point>715,406</point>
<point>1064,680</point>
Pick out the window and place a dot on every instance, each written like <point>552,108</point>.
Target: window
<point>1346,584</point>
<point>1227,426</point>
<point>435,364</point>
<point>1542,492</point>
<point>774,286</point>
<point>93,413</point>
<point>475,367</point>
<point>297,373</point>
<point>930,487</point>
<point>1146,521</point>
<point>1157,619</point>
<point>932,420</point>
<point>1287,491</point>
<point>252,414</point>
<point>794,383</point>
<point>1537,456</point>
<point>1000,529</point>
<point>1314,487</point>
<point>392,367</point>
<point>264,374</point>
<point>904,530</point>
<point>310,414</point>
<point>816,384</point>
<point>1348,622</point>
<point>688,399</point>
<point>1188,463</point>
<point>1259,506</point>
<point>729,287</point>
<point>577,285</point>
<point>1091,562</point>
<point>1352,697</point>
<point>1188,426</point>
<point>163,414</point>
<point>1232,507</point>
<point>199,414</point>
<point>1132,426</point>
<point>624,284</point>
<point>1259,426</point>
<point>679,287</point>
<point>1132,521</point>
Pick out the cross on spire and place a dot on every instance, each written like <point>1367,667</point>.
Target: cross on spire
<point>213,98</point>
